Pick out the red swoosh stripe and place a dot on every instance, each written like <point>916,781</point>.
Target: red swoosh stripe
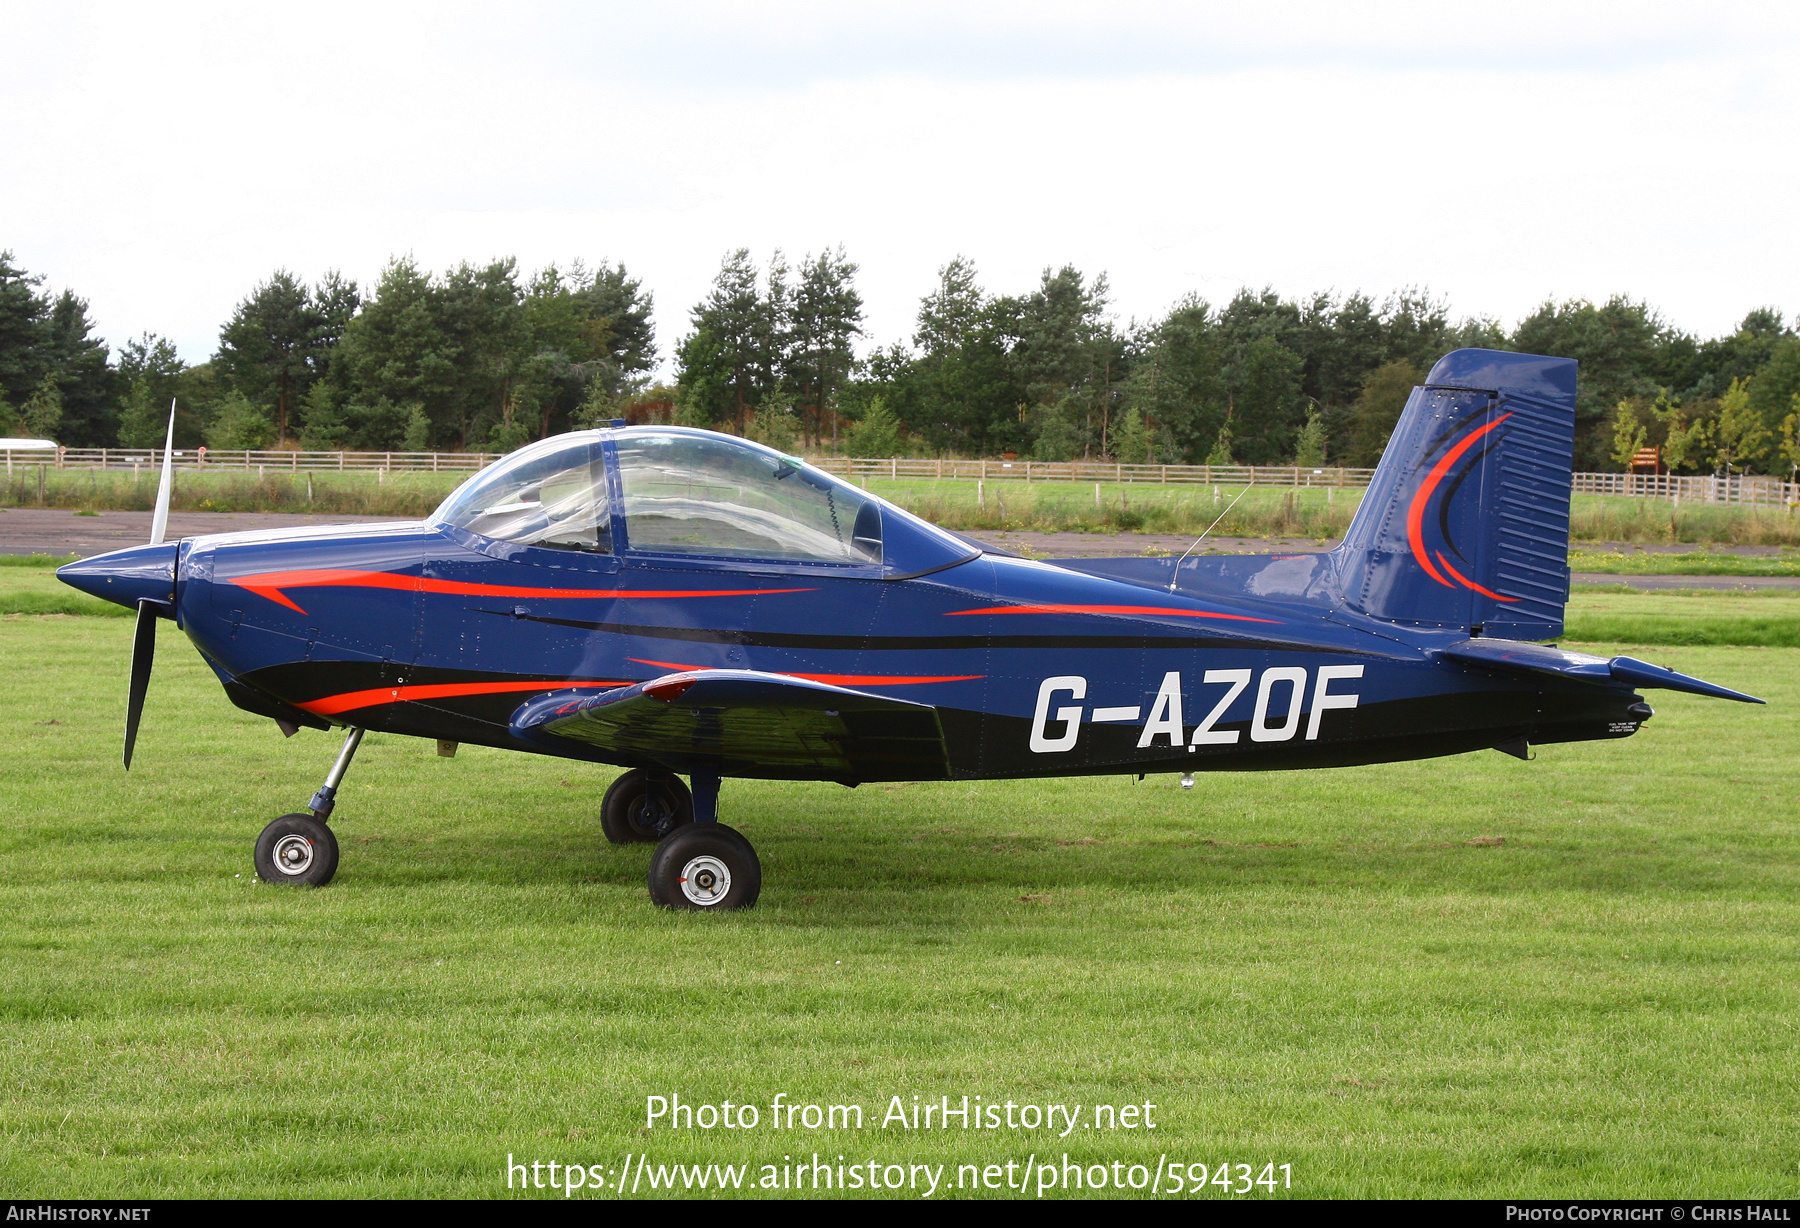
<point>331,705</point>
<point>831,679</point>
<point>1470,583</point>
<point>1106,609</point>
<point>1415,514</point>
<point>270,583</point>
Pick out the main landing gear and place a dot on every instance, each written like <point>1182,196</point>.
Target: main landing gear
<point>642,807</point>
<point>699,864</point>
<point>299,849</point>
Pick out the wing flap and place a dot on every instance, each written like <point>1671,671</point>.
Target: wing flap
<point>748,723</point>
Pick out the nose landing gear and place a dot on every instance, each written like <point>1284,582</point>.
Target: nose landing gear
<point>299,850</point>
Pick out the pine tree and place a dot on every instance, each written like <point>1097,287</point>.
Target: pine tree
<point>1309,447</point>
<point>322,425</point>
<point>418,430</point>
<point>877,433</point>
<point>24,313</point>
<point>266,349</point>
<point>84,379</point>
<point>826,319</point>
<point>719,364</point>
<point>1131,442</point>
<point>1221,450</point>
<point>239,423</point>
<point>41,415</point>
<point>149,373</point>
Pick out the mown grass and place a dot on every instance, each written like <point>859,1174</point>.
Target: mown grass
<point>1472,976</point>
<point>1011,503</point>
<point>1768,618</point>
<point>1691,563</point>
<point>28,586</point>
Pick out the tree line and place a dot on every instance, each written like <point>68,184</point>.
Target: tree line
<point>487,358</point>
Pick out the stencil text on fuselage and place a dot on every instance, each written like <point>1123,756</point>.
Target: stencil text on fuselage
<point>1280,710</point>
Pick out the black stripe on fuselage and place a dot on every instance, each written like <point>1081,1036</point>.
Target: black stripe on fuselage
<point>913,643</point>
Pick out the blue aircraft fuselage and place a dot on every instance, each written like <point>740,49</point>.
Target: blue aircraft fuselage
<point>1034,669</point>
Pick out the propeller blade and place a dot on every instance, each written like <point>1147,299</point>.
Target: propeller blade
<point>143,655</point>
<point>159,522</point>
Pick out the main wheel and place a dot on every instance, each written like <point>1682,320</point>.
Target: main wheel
<point>298,850</point>
<point>706,867</point>
<point>641,809</point>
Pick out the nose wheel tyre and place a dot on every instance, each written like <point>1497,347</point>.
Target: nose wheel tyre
<point>641,809</point>
<point>705,867</point>
<point>297,850</point>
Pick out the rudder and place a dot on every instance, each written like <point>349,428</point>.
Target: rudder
<point>1466,523</point>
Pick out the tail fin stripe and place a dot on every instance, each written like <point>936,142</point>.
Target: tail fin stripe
<point>1415,515</point>
<point>1450,494</point>
<point>1468,583</point>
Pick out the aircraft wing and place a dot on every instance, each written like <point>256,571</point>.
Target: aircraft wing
<point>748,723</point>
<point>1519,657</point>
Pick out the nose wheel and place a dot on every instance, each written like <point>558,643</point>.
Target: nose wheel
<point>705,867</point>
<point>298,851</point>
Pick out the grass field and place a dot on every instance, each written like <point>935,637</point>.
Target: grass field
<point>1471,976</point>
<point>1693,563</point>
<point>1764,618</point>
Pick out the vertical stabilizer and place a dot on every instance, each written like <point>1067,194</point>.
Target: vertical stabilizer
<point>1466,523</point>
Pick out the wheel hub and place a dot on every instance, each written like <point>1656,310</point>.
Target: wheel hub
<point>294,855</point>
<point>705,881</point>
<point>652,816</point>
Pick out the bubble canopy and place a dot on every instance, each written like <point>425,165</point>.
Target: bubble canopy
<point>686,493</point>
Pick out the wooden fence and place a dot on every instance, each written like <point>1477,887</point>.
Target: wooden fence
<point>1737,489</point>
<point>1751,489</point>
<point>279,461</point>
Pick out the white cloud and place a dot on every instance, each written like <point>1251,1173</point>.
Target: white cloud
<point>161,161</point>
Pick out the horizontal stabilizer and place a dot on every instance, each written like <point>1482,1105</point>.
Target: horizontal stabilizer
<point>1641,673</point>
<point>1522,657</point>
<point>748,723</point>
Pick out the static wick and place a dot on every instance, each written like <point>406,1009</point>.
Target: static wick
<point>1209,528</point>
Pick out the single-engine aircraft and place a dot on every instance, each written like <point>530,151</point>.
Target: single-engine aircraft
<point>679,602</point>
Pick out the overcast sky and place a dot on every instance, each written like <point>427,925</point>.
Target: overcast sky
<point>160,160</point>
